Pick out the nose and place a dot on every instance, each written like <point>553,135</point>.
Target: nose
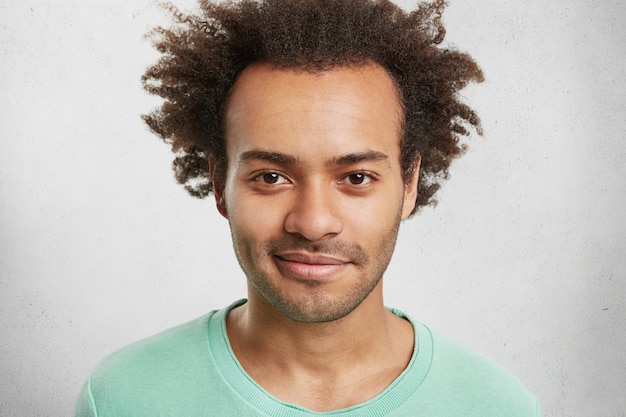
<point>315,213</point>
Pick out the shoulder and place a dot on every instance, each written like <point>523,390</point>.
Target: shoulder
<point>173,373</point>
<point>141,376</point>
<point>158,353</point>
<point>476,382</point>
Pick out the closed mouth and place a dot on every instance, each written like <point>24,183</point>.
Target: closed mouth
<point>311,259</point>
<point>309,267</point>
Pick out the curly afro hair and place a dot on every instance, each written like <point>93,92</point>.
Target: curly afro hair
<point>203,54</point>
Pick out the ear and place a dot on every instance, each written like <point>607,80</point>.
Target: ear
<point>218,189</point>
<point>410,190</point>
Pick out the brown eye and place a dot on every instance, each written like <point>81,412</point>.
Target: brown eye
<point>271,178</point>
<point>358,178</point>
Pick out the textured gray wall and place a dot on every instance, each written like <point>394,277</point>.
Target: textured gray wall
<point>523,259</point>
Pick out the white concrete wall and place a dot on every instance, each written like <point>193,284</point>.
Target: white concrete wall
<point>523,259</point>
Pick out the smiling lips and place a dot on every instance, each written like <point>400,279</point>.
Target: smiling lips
<point>309,267</point>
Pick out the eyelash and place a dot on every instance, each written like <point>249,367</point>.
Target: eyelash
<point>366,178</point>
<point>261,177</point>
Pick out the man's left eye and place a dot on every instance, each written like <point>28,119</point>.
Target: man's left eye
<point>358,178</point>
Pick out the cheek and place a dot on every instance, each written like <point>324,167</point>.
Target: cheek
<point>252,218</point>
<point>375,217</point>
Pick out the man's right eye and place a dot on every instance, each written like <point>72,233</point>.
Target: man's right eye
<point>270,178</point>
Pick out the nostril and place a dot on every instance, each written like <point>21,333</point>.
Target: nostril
<point>313,218</point>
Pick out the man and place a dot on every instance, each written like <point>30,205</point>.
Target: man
<point>319,125</point>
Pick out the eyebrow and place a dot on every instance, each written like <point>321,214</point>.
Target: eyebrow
<point>285,159</point>
<point>354,158</point>
<point>269,156</point>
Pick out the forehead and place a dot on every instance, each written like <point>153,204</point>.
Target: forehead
<point>295,110</point>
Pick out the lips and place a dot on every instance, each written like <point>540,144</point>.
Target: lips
<point>310,267</point>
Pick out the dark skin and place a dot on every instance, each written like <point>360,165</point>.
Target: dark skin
<point>315,331</point>
<point>314,173</point>
<point>322,366</point>
<point>203,54</point>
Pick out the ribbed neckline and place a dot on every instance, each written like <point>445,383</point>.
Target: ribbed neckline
<point>384,403</point>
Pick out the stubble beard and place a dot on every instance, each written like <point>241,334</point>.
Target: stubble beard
<point>318,306</point>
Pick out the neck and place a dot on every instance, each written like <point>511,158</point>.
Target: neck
<point>369,344</point>
<point>257,324</point>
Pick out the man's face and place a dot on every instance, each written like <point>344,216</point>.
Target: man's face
<point>314,191</point>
